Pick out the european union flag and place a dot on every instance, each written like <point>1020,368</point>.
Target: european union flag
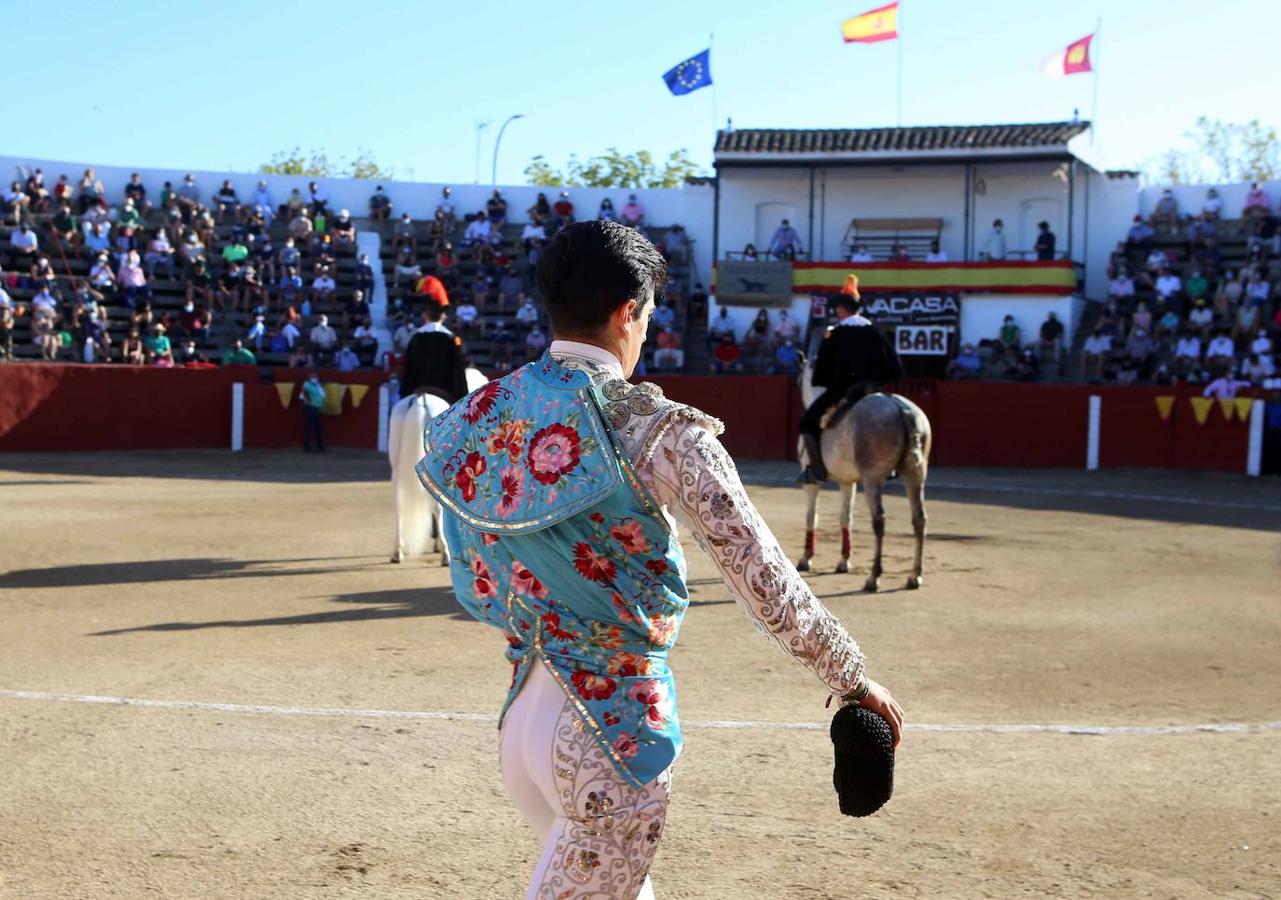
<point>690,75</point>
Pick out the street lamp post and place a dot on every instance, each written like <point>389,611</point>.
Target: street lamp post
<point>480,126</point>
<point>498,143</point>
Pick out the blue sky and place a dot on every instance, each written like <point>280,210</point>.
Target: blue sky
<point>225,85</point>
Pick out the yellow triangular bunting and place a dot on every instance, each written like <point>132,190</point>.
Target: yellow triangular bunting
<point>286,391</point>
<point>1164,406</point>
<point>1227,404</point>
<point>333,398</point>
<point>1201,408</point>
<point>358,392</point>
<point>1244,405</point>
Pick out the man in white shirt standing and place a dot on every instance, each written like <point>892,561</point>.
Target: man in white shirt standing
<point>994,246</point>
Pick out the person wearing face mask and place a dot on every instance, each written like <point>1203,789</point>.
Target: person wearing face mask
<point>994,246</point>
<point>556,482</point>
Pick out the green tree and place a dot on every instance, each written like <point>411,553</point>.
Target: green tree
<point>613,168</point>
<point>317,164</point>
<point>1218,151</point>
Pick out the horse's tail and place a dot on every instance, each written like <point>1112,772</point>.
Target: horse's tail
<point>415,508</point>
<point>915,437</point>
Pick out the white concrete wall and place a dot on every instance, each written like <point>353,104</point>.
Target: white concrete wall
<point>743,316</point>
<point>983,314</point>
<point>1112,203</point>
<point>1021,194</point>
<point>902,192</point>
<point>1190,197</point>
<point>690,206</point>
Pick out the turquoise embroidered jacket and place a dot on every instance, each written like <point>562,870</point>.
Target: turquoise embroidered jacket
<point>556,542</point>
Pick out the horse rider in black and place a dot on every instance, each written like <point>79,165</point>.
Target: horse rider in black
<point>435,361</point>
<point>854,360</point>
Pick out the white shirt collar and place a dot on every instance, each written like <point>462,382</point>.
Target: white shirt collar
<point>429,327</point>
<point>590,352</point>
<point>855,319</point>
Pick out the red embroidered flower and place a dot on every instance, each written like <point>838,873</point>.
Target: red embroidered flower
<point>513,483</point>
<point>592,565</point>
<point>624,612</point>
<point>591,686</point>
<point>630,537</point>
<point>473,468</point>
<point>597,518</point>
<point>524,581</point>
<point>611,719</point>
<point>553,452</point>
<point>648,692</point>
<point>625,746</point>
<point>657,566</point>
<point>661,629</point>
<point>509,438</point>
<point>607,637</point>
<point>551,622</point>
<point>624,664</point>
<point>483,584</point>
<point>488,539</point>
<point>480,402</point>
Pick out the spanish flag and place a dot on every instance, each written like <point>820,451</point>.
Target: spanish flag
<point>880,24</point>
<point>1072,60</point>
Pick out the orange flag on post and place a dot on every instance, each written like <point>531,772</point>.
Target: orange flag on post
<point>880,24</point>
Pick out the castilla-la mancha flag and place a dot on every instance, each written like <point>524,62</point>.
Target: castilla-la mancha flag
<point>880,24</point>
<point>1072,60</point>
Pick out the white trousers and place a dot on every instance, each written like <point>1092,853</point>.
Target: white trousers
<point>599,833</point>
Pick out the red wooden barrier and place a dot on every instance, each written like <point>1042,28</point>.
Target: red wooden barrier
<point>75,407</point>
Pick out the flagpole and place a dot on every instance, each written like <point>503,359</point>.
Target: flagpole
<point>1094,99</point>
<point>710,38</point>
<point>898,24</point>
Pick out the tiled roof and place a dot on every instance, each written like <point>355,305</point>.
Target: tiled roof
<point>959,138</point>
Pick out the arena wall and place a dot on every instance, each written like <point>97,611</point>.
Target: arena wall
<point>63,407</point>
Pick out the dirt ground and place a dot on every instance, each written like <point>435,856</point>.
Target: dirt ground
<point>1105,599</point>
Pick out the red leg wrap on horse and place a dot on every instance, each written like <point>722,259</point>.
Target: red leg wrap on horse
<point>845,543</point>
<point>810,536</point>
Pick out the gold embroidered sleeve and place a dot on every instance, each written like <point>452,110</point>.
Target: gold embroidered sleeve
<point>696,479</point>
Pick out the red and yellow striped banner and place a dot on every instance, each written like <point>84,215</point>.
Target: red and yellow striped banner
<point>1057,277</point>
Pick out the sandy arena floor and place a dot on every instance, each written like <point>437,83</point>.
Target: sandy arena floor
<point>260,583</point>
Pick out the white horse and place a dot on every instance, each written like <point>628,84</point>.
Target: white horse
<point>879,435</point>
<point>418,518</point>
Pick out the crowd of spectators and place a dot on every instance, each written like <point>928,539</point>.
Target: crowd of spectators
<point>218,254</point>
<point>486,274</point>
<point>1178,309</point>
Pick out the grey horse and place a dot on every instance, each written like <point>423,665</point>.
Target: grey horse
<point>881,434</point>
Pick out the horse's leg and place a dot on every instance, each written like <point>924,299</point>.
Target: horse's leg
<point>915,483</point>
<point>438,532</point>
<point>872,495</point>
<point>847,517</point>
<point>398,549</point>
<point>811,526</point>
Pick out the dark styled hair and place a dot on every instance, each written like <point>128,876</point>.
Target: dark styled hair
<point>592,267</point>
<point>852,303</point>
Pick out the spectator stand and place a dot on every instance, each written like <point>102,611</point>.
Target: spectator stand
<point>883,236</point>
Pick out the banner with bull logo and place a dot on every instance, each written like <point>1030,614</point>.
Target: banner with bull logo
<point>744,283</point>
